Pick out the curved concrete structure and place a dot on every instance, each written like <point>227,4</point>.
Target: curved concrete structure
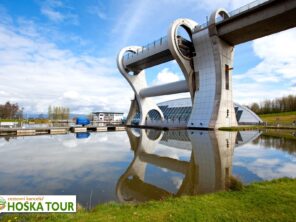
<point>139,144</point>
<point>206,65</point>
<point>213,20</point>
<point>206,60</point>
<point>183,61</point>
<point>213,103</point>
<point>137,80</point>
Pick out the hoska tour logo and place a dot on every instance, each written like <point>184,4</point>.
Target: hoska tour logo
<point>37,203</point>
<point>2,203</point>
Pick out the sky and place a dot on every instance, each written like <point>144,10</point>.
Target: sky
<point>63,53</point>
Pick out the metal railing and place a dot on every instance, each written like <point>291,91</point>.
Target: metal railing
<point>235,12</point>
<point>147,47</point>
<point>247,7</point>
<point>163,40</point>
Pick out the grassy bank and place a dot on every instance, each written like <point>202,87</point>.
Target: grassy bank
<point>35,121</point>
<point>273,120</point>
<point>256,127</point>
<point>10,120</point>
<point>279,118</point>
<point>266,201</point>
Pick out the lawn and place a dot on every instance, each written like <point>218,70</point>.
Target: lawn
<point>265,201</point>
<point>279,118</point>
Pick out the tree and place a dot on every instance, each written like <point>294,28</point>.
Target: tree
<point>58,112</point>
<point>49,112</point>
<point>10,111</point>
<point>283,104</point>
<point>255,107</point>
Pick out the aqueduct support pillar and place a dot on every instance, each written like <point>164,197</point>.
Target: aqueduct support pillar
<point>212,106</point>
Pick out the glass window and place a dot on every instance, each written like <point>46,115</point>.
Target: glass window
<point>227,77</point>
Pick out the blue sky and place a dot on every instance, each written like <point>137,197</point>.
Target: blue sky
<point>56,52</point>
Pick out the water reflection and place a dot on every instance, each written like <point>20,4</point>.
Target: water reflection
<point>83,135</point>
<point>277,143</point>
<point>64,165</point>
<point>140,165</point>
<point>208,169</point>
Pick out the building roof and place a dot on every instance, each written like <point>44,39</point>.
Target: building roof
<point>243,113</point>
<point>182,102</point>
<point>107,113</point>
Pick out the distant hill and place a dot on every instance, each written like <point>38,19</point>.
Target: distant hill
<point>45,116</point>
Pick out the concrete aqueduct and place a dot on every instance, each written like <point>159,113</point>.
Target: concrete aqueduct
<point>206,60</point>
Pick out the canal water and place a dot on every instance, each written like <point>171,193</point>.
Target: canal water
<point>140,165</point>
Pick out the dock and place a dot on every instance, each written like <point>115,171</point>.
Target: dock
<point>57,130</point>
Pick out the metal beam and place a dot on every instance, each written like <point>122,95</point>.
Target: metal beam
<point>165,89</point>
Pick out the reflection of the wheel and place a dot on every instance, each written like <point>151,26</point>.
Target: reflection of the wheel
<point>208,170</point>
<point>133,178</point>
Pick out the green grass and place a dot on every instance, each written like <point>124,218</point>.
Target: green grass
<point>279,118</point>
<point>266,201</point>
<point>273,120</point>
<point>36,121</point>
<point>242,128</point>
<point>10,120</point>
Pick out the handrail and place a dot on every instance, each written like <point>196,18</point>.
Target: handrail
<point>247,7</point>
<point>235,12</point>
<point>153,44</point>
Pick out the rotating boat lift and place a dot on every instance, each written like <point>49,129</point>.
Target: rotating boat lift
<point>206,63</point>
<point>206,60</point>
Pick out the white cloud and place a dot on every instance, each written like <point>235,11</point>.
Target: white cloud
<point>174,153</point>
<point>52,14</point>
<point>278,54</point>
<point>277,67</point>
<point>5,19</point>
<point>99,10</point>
<point>71,95</point>
<point>52,10</point>
<point>70,143</point>
<point>36,73</point>
<point>288,169</point>
<point>177,181</point>
<point>52,170</point>
<point>265,163</point>
<point>166,76</point>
